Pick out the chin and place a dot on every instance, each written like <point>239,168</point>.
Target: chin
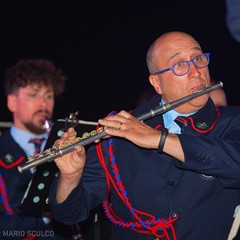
<point>199,104</point>
<point>202,100</point>
<point>36,128</point>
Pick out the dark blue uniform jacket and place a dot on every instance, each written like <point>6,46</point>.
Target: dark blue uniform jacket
<point>14,222</point>
<point>202,192</point>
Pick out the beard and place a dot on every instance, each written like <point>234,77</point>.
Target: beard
<point>34,128</point>
<point>37,128</point>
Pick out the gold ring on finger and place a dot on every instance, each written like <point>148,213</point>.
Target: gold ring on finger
<point>120,125</point>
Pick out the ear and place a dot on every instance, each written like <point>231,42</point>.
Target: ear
<point>155,82</point>
<point>11,102</point>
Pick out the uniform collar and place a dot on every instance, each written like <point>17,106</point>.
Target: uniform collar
<point>22,139</point>
<point>204,120</point>
<point>170,116</point>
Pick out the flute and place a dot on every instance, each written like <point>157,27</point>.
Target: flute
<point>96,135</point>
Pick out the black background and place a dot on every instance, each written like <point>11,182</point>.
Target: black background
<point>101,46</point>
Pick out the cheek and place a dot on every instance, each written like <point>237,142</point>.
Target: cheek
<point>21,112</point>
<point>50,105</point>
<point>175,92</point>
<point>25,104</point>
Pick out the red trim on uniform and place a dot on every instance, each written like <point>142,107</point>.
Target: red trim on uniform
<point>158,126</point>
<point>207,130</point>
<point>13,164</point>
<point>182,120</point>
<point>30,237</point>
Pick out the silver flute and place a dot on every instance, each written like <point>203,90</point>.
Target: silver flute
<point>96,135</point>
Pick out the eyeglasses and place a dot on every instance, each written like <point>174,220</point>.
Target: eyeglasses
<point>181,68</point>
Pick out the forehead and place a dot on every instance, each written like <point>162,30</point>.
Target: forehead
<point>37,87</point>
<point>176,44</point>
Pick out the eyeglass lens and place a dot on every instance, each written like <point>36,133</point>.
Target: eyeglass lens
<point>183,67</point>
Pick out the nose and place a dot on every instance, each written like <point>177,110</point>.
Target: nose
<point>42,101</point>
<point>193,69</point>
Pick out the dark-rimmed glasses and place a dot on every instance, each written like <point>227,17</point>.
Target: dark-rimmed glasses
<point>181,68</point>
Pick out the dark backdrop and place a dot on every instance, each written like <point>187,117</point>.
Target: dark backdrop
<point>101,46</point>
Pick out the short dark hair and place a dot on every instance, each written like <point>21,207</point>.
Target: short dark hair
<point>30,71</point>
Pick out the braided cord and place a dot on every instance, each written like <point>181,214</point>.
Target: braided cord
<point>4,196</point>
<point>153,226</point>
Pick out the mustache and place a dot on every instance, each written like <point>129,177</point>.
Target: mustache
<point>44,111</point>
